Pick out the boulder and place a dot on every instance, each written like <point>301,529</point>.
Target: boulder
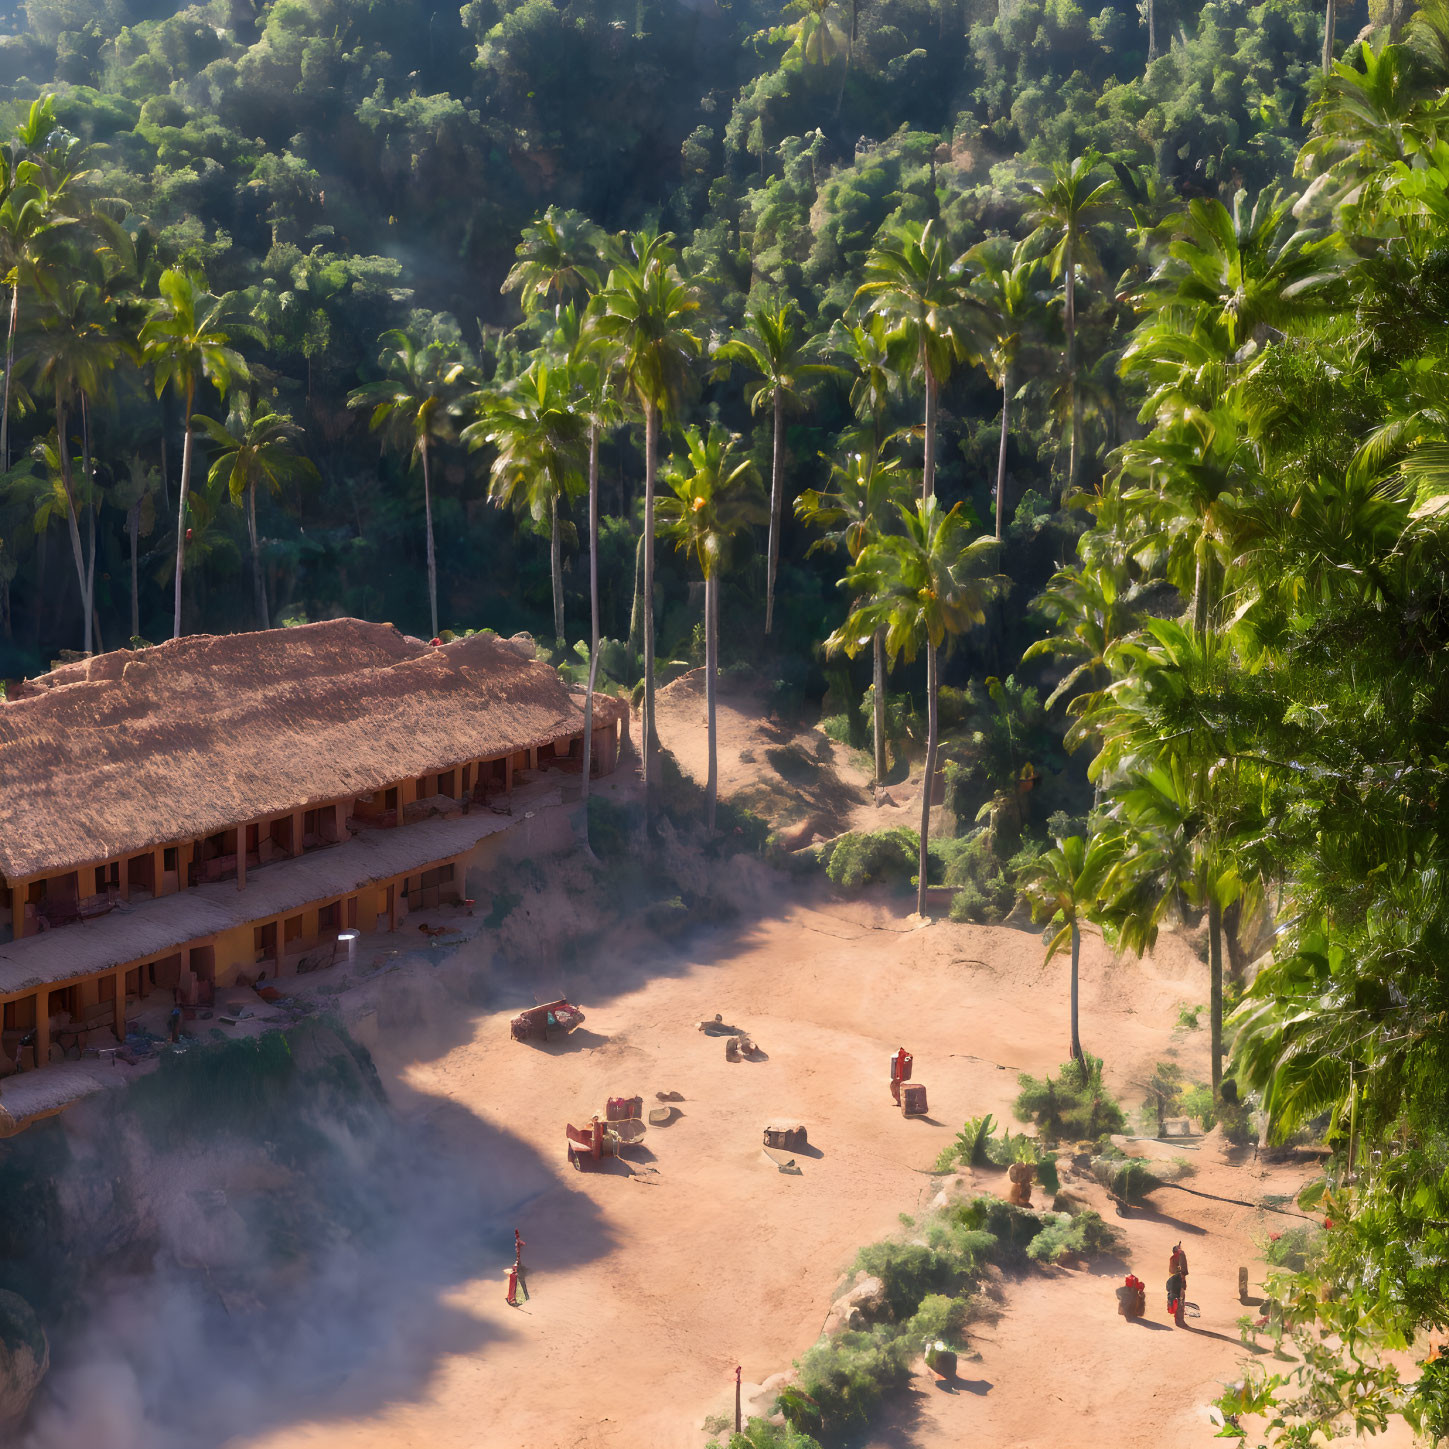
<point>857,1307</point>
<point>24,1357</point>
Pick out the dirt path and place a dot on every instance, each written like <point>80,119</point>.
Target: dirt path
<point>651,1281</point>
<point>702,1255</point>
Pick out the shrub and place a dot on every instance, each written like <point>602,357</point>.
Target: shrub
<point>1066,1236</point>
<point>972,1139</point>
<point>1127,1178</point>
<point>758,1434</point>
<point>845,1376</point>
<point>940,1317</point>
<point>909,1271</point>
<point>1293,1248</point>
<point>1076,1106</point>
<point>858,858</point>
<point>610,827</point>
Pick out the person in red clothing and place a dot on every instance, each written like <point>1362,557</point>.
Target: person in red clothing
<point>1177,1284</point>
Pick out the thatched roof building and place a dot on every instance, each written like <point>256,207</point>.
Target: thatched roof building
<point>111,756</point>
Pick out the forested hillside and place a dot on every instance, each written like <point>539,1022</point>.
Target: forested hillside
<point>346,168</point>
<point>1062,383</point>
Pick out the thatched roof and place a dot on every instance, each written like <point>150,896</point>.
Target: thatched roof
<point>118,754</point>
<point>146,929</point>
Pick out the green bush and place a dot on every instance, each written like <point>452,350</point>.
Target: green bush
<point>844,1377</point>
<point>1083,1235</point>
<point>940,1317</point>
<point>611,827</point>
<point>909,1271</point>
<point>1293,1248</point>
<point>1076,1106</point>
<point>761,1434</point>
<point>857,858</point>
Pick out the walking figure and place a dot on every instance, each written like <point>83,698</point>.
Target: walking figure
<point>516,1278</point>
<point>1177,1285</point>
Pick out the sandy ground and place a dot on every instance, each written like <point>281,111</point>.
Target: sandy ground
<point>807,784</point>
<point>653,1278</point>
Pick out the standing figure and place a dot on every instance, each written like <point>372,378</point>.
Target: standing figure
<point>1177,1285</point>
<point>516,1276</point>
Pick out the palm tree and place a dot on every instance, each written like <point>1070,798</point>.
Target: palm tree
<point>136,493</point>
<point>39,189</point>
<point>867,491</point>
<point>1066,211</point>
<point>1091,608</point>
<point>872,352</point>
<point>1002,287</point>
<point>255,447</point>
<point>1249,271</point>
<point>558,260</point>
<point>645,307</point>
<point>413,402</point>
<point>716,498</point>
<point>182,339</point>
<point>1182,793</point>
<point>540,440</point>
<point>1062,887</point>
<point>75,348</point>
<point>1170,860</point>
<point>920,292</point>
<point>923,586</point>
<point>777,353</point>
<point>593,361</point>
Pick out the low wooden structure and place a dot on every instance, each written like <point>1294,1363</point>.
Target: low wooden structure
<point>788,1136</point>
<point>539,1023</point>
<point>184,817</point>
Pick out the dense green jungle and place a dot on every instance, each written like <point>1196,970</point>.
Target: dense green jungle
<point>1055,388</point>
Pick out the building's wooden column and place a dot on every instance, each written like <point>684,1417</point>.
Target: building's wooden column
<point>121,1005</point>
<point>17,909</point>
<point>463,780</point>
<point>42,1027</point>
<point>402,800</point>
<point>392,895</point>
<point>340,809</point>
<point>158,875</point>
<point>297,833</point>
<point>241,857</point>
<point>508,775</point>
<point>125,868</point>
<point>533,758</point>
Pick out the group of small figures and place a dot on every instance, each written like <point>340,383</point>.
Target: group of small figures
<point>1132,1295</point>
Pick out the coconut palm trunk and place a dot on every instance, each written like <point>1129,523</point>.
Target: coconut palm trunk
<point>259,583</point>
<point>181,507</point>
<point>879,703</point>
<point>72,517</point>
<point>1215,989</point>
<point>593,612</point>
<point>555,560</point>
<point>636,613</point>
<point>1330,24</point>
<point>432,554</point>
<point>1077,1053</point>
<point>711,676</point>
<point>1001,455</point>
<point>928,462</point>
<point>1069,282</point>
<point>87,467</point>
<point>9,371</point>
<point>133,528</point>
<point>651,740</point>
<point>927,785</point>
<point>776,453</point>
